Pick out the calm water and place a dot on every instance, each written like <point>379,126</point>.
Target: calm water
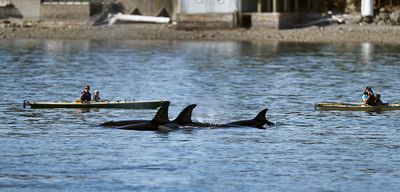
<point>66,150</point>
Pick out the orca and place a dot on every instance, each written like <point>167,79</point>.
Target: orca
<point>162,114</point>
<point>122,123</point>
<point>155,124</point>
<point>258,122</point>
<point>161,122</point>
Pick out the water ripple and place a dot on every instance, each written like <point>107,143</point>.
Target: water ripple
<point>308,150</point>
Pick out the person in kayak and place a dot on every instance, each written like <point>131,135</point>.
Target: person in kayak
<point>378,99</point>
<point>85,94</point>
<point>96,95</point>
<point>368,97</point>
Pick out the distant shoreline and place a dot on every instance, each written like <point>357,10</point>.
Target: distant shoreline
<point>334,33</point>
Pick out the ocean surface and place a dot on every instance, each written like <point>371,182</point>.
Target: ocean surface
<point>308,150</point>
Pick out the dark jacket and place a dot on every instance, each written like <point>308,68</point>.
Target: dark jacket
<point>85,96</point>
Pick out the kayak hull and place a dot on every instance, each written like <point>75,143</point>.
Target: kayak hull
<point>333,106</point>
<point>150,104</point>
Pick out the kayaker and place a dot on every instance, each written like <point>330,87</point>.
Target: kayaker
<point>96,95</point>
<point>368,97</point>
<point>85,94</point>
<point>378,99</point>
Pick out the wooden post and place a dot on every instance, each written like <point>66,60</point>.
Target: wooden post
<point>274,6</point>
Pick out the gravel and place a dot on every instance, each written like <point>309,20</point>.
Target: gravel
<point>333,33</point>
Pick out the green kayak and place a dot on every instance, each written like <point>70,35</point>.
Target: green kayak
<point>149,104</point>
<point>333,106</point>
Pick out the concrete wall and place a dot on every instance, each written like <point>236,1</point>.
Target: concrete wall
<point>66,12</point>
<point>208,14</point>
<point>29,9</point>
<point>209,6</point>
<point>207,21</point>
<point>281,20</point>
<point>265,20</point>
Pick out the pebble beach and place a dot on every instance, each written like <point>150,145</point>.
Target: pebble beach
<point>333,33</point>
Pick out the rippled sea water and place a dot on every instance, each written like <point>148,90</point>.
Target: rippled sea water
<point>308,150</point>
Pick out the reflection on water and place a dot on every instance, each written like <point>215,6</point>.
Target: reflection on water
<point>367,50</point>
<point>56,47</point>
<point>64,149</point>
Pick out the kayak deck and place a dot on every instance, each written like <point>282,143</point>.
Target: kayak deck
<point>149,104</point>
<point>333,106</point>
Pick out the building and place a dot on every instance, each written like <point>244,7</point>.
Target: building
<point>67,11</point>
<point>188,14</point>
<point>264,14</point>
<point>224,14</point>
<point>273,14</point>
<point>278,14</point>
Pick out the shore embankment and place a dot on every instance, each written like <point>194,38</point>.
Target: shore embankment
<point>333,33</point>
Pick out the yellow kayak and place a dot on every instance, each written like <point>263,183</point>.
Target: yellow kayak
<point>333,106</point>
<point>149,104</point>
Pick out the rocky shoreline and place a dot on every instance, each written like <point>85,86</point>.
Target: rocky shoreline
<point>333,33</point>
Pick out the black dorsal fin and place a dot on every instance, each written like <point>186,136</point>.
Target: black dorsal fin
<point>186,115</point>
<point>162,114</point>
<point>261,116</point>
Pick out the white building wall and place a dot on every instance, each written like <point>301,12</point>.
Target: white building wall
<point>209,6</point>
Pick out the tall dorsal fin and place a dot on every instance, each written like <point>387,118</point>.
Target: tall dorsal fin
<point>186,115</point>
<point>261,116</point>
<point>162,114</point>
